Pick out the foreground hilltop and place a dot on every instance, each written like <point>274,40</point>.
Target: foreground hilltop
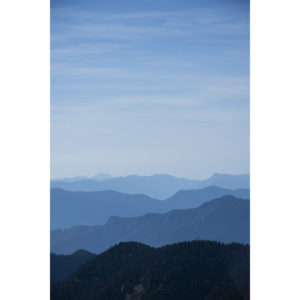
<point>188,270</point>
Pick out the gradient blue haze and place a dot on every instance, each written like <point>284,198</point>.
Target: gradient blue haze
<point>144,87</point>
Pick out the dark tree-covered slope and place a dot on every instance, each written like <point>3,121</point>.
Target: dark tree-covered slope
<point>224,219</point>
<point>189,270</point>
<point>94,208</point>
<point>61,266</point>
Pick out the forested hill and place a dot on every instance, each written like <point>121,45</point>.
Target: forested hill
<point>187,270</point>
<point>61,266</point>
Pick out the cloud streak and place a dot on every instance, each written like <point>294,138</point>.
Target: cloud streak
<point>160,84</point>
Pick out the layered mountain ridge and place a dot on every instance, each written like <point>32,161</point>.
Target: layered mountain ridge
<point>69,208</point>
<point>225,219</point>
<point>158,186</point>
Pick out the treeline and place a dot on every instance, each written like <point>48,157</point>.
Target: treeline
<point>61,266</point>
<point>188,270</point>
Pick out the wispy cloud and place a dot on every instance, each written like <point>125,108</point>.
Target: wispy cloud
<point>86,48</point>
<point>143,25</point>
<point>161,84</point>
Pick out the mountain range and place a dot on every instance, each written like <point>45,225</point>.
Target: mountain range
<point>225,219</point>
<point>133,271</point>
<point>69,208</point>
<point>158,186</point>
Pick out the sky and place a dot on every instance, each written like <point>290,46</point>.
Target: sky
<point>144,87</point>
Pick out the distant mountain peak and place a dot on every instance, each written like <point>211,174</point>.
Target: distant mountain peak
<point>101,176</point>
<point>159,186</point>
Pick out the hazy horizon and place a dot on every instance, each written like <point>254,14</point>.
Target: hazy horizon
<point>149,87</point>
<point>146,175</point>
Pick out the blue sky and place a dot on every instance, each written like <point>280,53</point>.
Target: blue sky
<point>144,87</point>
